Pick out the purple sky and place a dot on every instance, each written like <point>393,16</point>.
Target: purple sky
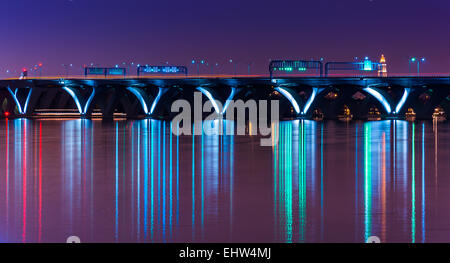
<point>108,32</point>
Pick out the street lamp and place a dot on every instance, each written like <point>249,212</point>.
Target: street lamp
<point>418,61</point>
<point>235,66</point>
<point>248,67</point>
<point>40,68</point>
<point>212,67</point>
<point>198,65</point>
<point>67,67</point>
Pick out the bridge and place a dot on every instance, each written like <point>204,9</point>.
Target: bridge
<point>152,97</point>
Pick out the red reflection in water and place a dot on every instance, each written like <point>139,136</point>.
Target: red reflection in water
<point>243,192</point>
<point>40,183</point>
<point>24,181</point>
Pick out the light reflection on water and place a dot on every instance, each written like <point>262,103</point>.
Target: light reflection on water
<point>135,181</point>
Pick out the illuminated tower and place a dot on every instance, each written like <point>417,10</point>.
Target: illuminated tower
<point>382,72</point>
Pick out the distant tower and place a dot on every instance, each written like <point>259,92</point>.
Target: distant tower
<point>382,72</point>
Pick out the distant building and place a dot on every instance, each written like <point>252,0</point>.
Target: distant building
<point>382,72</point>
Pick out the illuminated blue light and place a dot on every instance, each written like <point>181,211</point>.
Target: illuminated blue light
<point>26,102</point>
<point>155,102</point>
<point>380,98</point>
<point>81,109</point>
<point>290,98</point>
<point>162,69</point>
<point>116,71</point>
<point>368,65</point>
<point>310,100</point>
<point>141,99</point>
<point>117,184</point>
<point>402,100</point>
<point>230,98</point>
<point>88,102</point>
<point>75,98</point>
<point>211,98</point>
<point>19,107</point>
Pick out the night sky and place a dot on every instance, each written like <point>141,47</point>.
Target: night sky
<point>109,32</point>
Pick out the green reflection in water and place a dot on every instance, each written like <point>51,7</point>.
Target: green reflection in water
<point>288,154</point>
<point>288,181</point>
<point>367,181</point>
<point>302,183</point>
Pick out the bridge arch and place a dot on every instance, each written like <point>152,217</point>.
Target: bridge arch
<point>295,100</point>
<point>82,103</point>
<point>212,97</point>
<point>380,98</point>
<point>391,106</point>
<point>332,106</point>
<point>21,98</point>
<point>142,98</point>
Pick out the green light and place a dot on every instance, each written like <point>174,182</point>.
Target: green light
<point>288,184</point>
<point>290,69</point>
<point>413,59</point>
<point>367,181</point>
<point>302,183</point>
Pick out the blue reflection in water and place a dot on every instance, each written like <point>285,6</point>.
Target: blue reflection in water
<point>356,182</point>
<point>193,182</point>
<point>367,182</point>
<point>117,184</point>
<point>145,184</point>
<point>423,182</point>
<point>382,143</point>
<point>154,141</point>
<point>413,185</point>
<point>322,215</point>
<point>294,155</point>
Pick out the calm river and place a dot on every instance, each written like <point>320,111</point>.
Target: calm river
<point>134,181</point>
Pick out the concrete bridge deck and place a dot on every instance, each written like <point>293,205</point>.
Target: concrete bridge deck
<point>299,96</point>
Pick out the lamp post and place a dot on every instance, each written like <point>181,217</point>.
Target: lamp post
<point>235,66</point>
<point>411,60</point>
<point>213,65</point>
<point>40,69</point>
<point>249,65</point>
<point>418,65</point>
<point>198,65</point>
<point>126,66</point>
<point>67,67</point>
<point>418,61</point>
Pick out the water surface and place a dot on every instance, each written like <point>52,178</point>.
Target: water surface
<point>134,181</point>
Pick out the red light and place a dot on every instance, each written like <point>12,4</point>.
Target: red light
<point>40,64</point>
<point>24,70</point>
<point>6,113</point>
